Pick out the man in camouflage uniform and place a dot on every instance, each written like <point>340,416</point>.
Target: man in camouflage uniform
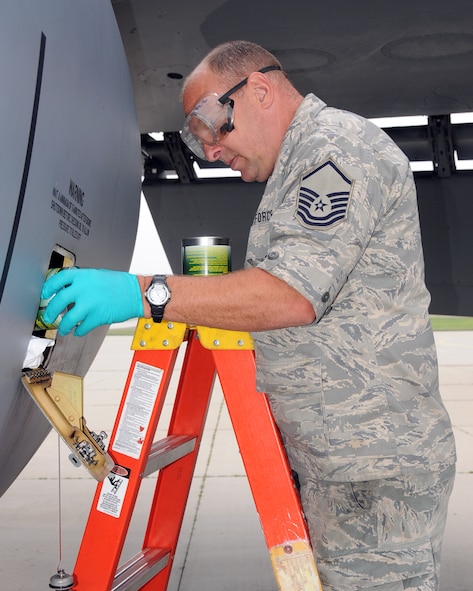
<point>334,295</point>
<point>355,394</point>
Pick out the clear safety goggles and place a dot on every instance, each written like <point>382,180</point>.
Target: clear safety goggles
<point>212,118</point>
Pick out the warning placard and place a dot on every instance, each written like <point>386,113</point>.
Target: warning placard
<point>136,414</point>
<point>113,491</point>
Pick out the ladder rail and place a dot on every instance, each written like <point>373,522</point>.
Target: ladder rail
<point>281,504</point>
<point>276,498</point>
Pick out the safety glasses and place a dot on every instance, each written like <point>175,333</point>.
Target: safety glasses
<point>212,118</point>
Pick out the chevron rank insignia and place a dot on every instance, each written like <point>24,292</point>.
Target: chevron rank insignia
<point>323,197</point>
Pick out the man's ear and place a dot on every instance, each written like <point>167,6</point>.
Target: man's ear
<point>260,94</point>
<point>261,87</point>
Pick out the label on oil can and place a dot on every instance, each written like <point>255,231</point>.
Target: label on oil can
<point>206,255</point>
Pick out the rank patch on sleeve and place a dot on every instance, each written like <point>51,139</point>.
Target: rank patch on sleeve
<point>324,197</point>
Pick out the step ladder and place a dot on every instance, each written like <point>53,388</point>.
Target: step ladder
<point>208,352</point>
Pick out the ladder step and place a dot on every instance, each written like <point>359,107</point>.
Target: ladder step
<point>140,569</point>
<point>168,450</point>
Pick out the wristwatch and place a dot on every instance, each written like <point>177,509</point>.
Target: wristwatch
<point>158,295</point>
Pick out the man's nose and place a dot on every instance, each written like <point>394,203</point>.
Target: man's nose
<point>212,153</point>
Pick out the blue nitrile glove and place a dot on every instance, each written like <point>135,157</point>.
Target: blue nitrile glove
<point>97,296</point>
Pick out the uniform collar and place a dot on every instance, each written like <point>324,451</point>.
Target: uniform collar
<point>310,107</point>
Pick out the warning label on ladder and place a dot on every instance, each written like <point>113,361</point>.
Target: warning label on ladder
<point>139,402</point>
<point>113,492</point>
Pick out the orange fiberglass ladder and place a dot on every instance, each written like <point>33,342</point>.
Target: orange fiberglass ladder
<point>208,352</point>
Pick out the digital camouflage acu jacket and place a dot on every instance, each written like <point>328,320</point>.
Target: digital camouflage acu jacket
<point>356,393</point>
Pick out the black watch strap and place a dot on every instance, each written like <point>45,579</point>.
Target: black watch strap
<point>157,313</point>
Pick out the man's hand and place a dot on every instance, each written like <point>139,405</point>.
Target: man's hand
<point>92,297</point>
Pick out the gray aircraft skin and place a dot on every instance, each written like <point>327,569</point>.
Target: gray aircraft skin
<point>81,81</point>
<point>70,168</point>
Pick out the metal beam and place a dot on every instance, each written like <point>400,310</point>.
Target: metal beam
<point>440,135</point>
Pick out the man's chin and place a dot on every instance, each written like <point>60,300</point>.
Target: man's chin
<point>251,177</point>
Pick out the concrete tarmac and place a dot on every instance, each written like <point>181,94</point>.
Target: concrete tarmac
<point>221,545</point>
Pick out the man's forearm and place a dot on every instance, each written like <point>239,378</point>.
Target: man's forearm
<point>250,300</point>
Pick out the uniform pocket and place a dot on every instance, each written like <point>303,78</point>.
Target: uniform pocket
<point>294,390</point>
<point>344,429</point>
<point>358,424</point>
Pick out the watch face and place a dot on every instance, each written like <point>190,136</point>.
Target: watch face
<point>158,294</point>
